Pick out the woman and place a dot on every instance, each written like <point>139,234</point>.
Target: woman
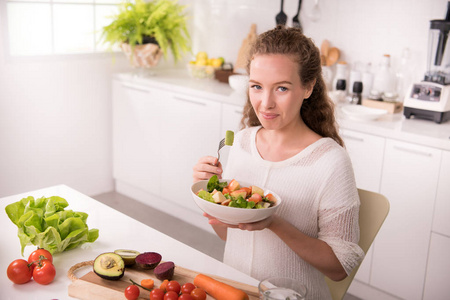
<point>290,145</point>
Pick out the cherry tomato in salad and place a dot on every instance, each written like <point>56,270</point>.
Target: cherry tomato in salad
<point>187,288</point>
<point>198,294</point>
<point>19,272</point>
<point>255,198</point>
<point>36,255</point>
<point>173,285</point>
<point>44,272</point>
<point>157,294</point>
<point>170,295</point>
<point>132,292</point>
<point>185,297</point>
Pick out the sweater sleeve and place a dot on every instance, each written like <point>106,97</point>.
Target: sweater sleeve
<point>339,212</point>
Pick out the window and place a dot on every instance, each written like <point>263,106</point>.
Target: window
<point>45,27</point>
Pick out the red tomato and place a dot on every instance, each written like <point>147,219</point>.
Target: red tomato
<point>19,272</point>
<point>255,198</point>
<point>185,297</point>
<point>36,255</point>
<point>173,285</point>
<point>44,272</point>
<point>233,185</point>
<point>198,294</point>
<point>170,295</point>
<point>157,294</point>
<point>187,288</point>
<point>132,292</point>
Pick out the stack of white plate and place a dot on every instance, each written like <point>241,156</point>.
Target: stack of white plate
<point>363,113</point>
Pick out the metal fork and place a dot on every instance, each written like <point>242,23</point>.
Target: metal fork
<point>221,145</point>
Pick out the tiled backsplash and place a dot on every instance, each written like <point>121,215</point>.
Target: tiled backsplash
<point>364,30</point>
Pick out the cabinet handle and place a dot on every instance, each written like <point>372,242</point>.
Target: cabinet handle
<point>133,87</point>
<point>413,151</point>
<point>189,100</point>
<point>239,112</point>
<point>354,138</point>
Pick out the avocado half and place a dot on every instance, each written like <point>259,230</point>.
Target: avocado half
<point>109,266</point>
<point>128,256</point>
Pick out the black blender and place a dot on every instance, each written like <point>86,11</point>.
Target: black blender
<point>430,99</point>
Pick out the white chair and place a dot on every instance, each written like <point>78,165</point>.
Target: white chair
<point>372,213</point>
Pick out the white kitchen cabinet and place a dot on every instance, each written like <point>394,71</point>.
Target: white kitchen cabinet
<point>136,135</point>
<point>441,220</point>
<point>409,181</point>
<point>366,153</point>
<point>158,136</point>
<point>190,129</point>
<point>438,270</point>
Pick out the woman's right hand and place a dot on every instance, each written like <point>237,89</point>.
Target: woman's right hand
<point>206,167</point>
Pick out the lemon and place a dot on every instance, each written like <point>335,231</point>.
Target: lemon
<point>201,62</point>
<point>216,62</point>
<point>201,56</point>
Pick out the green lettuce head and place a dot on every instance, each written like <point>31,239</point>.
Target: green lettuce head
<point>43,222</point>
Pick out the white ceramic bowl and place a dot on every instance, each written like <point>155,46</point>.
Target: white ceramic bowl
<point>232,215</point>
<point>239,82</point>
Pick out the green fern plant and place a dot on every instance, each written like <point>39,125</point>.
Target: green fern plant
<point>159,21</point>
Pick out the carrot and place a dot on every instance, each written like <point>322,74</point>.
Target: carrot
<point>163,285</point>
<point>219,290</point>
<point>148,283</point>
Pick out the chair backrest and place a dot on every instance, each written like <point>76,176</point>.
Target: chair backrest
<point>372,213</point>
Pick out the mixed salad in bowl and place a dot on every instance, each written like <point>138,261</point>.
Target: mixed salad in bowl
<point>232,194</point>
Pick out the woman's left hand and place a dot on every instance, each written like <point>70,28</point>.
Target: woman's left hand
<point>260,225</point>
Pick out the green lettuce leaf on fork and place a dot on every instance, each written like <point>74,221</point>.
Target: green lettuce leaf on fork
<point>43,222</point>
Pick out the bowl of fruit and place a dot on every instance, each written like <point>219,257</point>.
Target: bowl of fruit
<point>204,66</point>
<point>234,202</point>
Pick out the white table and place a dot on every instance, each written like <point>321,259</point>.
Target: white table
<point>116,231</point>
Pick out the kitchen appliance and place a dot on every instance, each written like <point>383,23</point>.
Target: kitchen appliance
<point>430,98</point>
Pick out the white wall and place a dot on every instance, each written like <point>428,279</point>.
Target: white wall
<point>55,120</point>
<point>364,30</point>
<point>55,124</point>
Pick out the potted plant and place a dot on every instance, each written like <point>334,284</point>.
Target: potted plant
<point>147,30</point>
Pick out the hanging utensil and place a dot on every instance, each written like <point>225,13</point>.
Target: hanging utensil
<point>314,13</point>
<point>281,17</point>
<point>325,47</point>
<point>296,20</point>
<point>333,56</point>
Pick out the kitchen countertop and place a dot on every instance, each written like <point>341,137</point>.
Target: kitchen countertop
<point>178,80</point>
<point>393,126</point>
<point>116,231</point>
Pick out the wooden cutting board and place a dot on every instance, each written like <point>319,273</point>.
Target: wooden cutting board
<point>91,286</point>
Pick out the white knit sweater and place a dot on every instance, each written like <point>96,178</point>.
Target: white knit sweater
<point>319,197</point>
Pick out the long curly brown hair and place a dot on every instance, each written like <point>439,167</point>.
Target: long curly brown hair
<point>318,110</point>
